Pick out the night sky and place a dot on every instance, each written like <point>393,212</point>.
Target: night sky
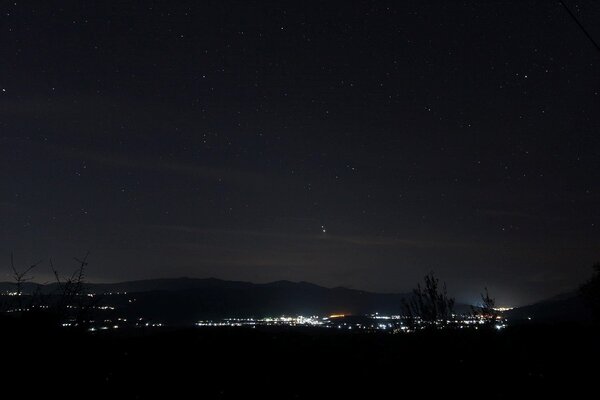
<point>344,143</point>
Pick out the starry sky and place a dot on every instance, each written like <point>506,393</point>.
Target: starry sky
<point>359,144</point>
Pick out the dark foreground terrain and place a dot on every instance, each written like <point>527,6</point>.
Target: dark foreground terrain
<point>534,361</point>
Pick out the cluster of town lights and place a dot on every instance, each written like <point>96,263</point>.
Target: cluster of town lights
<point>373,322</point>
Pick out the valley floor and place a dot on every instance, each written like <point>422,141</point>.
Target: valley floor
<point>239,363</point>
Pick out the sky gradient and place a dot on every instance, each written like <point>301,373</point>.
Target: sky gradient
<point>359,144</point>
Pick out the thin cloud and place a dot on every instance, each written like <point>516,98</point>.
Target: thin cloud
<point>365,240</point>
<point>214,174</point>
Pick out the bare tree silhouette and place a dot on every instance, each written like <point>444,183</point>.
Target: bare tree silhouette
<point>590,292</point>
<point>72,300</point>
<point>486,310</point>
<point>68,302</point>
<point>430,302</point>
<point>20,277</point>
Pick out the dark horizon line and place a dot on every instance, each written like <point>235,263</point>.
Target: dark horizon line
<point>212,278</point>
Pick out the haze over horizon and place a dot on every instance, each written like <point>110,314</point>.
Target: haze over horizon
<point>358,145</point>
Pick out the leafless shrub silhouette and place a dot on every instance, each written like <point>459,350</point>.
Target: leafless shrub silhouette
<point>68,302</point>
<point>20,277</point>
<point>486,310</point>
<point>429,303</point>
<point>72,300</point>
<point>590,292</point>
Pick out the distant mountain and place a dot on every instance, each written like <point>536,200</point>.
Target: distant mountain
<point>187,300</point>
<point>27,287</point>
<point>567,307</point>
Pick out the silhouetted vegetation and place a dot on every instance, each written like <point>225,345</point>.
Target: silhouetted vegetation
<point>67,302</point>
<point>21,277</point>
<point>532,360</point>
<point>430,302</point>
<point>15,299</point>
<point>591,292</point>
<point>72,300</point>
<point>486,310</point>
